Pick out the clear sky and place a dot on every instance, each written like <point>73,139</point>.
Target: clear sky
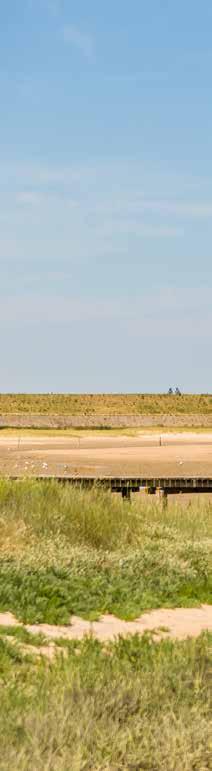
<point>105,195</point>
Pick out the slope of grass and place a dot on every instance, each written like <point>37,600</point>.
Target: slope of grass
<point>133,705</point>
<point>106,404</point>
<point>65,551</point>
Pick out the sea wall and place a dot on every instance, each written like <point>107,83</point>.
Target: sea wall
<point>29,420</point>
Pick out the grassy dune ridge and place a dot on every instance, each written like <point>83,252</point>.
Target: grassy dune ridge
<point>67,551</point>
<point>107,404</point>
<point>123,706</point>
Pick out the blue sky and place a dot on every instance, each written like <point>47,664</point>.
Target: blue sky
<point>105,195</point>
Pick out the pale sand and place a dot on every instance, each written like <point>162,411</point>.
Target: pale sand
<point>176,623</point>
<point>49,650</point>
<point>153,454</point>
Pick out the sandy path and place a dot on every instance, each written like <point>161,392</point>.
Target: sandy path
<point>177,623</point>
<point>153,454</point>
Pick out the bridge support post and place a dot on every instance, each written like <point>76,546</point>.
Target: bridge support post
<point>162,496</point>
<point>126,493</point>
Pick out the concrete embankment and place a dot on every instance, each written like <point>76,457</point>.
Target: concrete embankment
<point>30,420</point>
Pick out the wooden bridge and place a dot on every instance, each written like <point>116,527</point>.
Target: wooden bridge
<point>163,486</point>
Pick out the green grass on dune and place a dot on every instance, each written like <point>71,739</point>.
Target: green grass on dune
<point>108,404</point>
<point>123,706</point>
<point>131,705</point>
<point>65,551</point>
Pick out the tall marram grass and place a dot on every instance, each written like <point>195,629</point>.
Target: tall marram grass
<point>133,705</point>
<point>97,518</point>
<point>65,550</point>
<point>94,518</point>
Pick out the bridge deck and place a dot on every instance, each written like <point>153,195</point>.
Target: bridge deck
<point>126,485</point>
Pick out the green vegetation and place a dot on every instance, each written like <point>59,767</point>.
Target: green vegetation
<point>134,704</point>
<point>66,551</point>
<point>131,705</point>
<point>107,404</point>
